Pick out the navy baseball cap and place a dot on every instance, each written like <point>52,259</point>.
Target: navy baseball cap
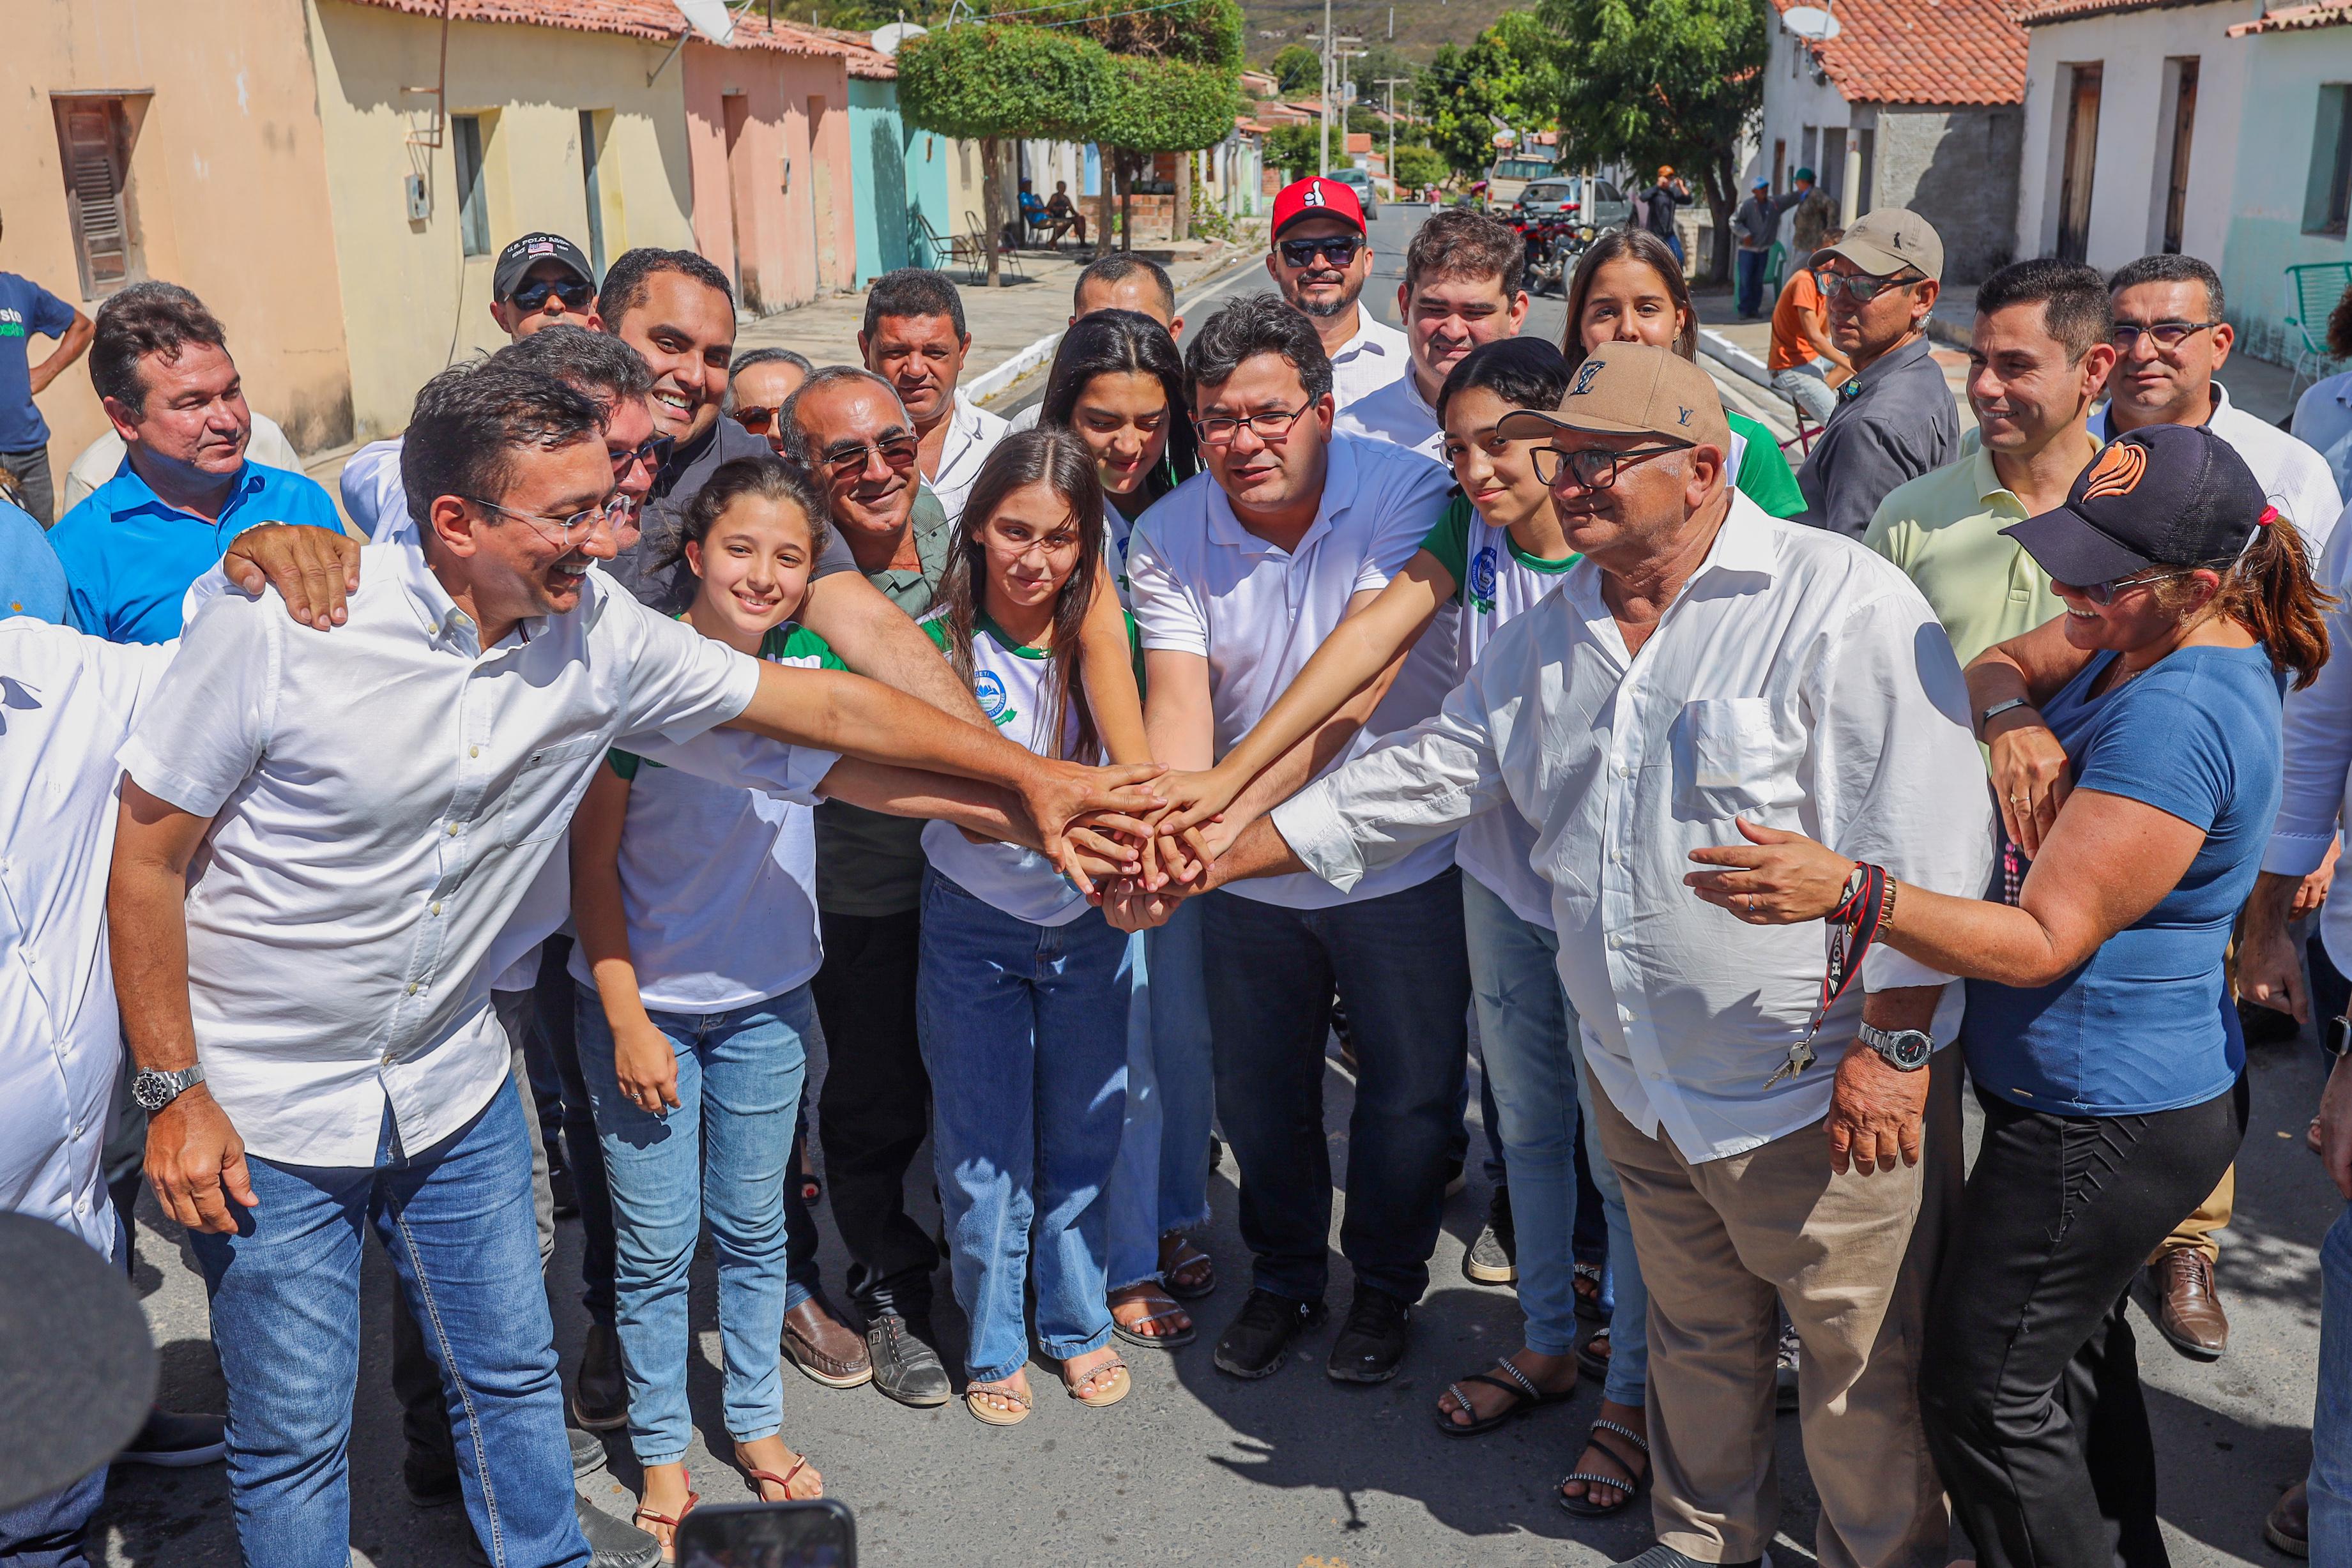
<point>2166,495</point>
<point>531,250</point>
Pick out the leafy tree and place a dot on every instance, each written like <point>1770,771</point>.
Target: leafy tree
<point>1416,166</point>
<point>1294,149</point>
<point>1297,68</point>
<point>1511,72</point>
<point>1174,87</point>
<point>1665,81</point>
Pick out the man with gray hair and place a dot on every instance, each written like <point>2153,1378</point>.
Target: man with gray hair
<point>758,383</point>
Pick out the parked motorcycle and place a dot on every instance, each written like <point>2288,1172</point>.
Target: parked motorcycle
<point>1553,244</point>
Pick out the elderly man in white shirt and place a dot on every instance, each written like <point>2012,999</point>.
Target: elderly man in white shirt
<point>914,338</point>
<point>1460,289</point>
<point>1706,662</point>
<point>309,1006</point>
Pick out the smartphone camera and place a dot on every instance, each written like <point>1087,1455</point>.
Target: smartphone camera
<point>821,1533</point>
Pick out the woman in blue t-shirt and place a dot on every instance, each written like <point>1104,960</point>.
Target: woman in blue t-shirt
<point>2100,1032</point>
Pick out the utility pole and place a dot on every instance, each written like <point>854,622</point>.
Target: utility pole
<point>1392,83</point>
<point>1334,61</point>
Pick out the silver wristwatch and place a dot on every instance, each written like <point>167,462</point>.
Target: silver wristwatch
<point>1905,1049</point>
<point>153,1091</point>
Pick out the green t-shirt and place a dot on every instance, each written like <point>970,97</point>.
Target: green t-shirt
<point>1764,477</point>
<point>869,863</point>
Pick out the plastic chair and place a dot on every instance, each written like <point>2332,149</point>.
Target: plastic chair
<point>2317,285</point>
<point>1776,262</point>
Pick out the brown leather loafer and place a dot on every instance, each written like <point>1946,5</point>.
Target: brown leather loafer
<point>2186,1308</point>
<point>825,1351</point>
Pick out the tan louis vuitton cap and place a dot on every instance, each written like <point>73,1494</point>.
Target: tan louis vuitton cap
<point>1632,388</point>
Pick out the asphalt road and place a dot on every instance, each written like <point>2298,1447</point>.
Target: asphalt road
<point>1295,1471</point>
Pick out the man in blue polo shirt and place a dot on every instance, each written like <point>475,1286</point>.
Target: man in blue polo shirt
<point>161,364</point>
<point>26,309</point>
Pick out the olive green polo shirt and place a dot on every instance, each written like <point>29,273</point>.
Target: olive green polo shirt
<point>1943,529</point>
<point>868,864</point>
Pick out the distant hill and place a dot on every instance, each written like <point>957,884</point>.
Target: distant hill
<point>1421,25</point>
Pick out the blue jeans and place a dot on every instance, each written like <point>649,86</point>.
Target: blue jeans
<point>1751,281</point>
<point>1535,1061</point>
<point>47,1532</point>
<point>1397,963</point>
<point>722,1152</point>
<point>458,1221</point>
<point>1181,1053</point>
<point>1024,1032</point>
<point>2331,1420</point>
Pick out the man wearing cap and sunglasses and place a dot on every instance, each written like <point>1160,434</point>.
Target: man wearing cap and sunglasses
<point>1707,662</point>
<point>1896,420</point>
<point>1321,258</point>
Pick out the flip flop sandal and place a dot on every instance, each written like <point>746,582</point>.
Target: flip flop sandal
<point>645,1516</point>
<point>1133,1334</point>
<point>783,1483</point>
<point>1190,1256</point>
<point>1588,1307</point>
<point>976,1400</point>
<point>1122,1383</point>
<point>1628,1489</point>
<point>1525,1396</point>
<point>1591,1365</point>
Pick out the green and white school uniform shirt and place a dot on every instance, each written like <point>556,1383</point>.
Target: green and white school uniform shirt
<point>718,883</point>
<point>1495,580</point>
<point>1011,684</point>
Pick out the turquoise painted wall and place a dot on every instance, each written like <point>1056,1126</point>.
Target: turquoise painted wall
<point>897,172</point>
<point>2273,166</point>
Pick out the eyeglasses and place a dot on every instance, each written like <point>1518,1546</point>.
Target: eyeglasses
<point>1860,287</point>
<point>649,452</point>
<point>1272,427</point>
<point>1341,248</point>
<point>576,294</point>
<point>758,421</point>
<point>1595,469</point>
<point>2105,593</point>
<point>849,456</point>
<point>2125,335</point>
<point>571,530</point>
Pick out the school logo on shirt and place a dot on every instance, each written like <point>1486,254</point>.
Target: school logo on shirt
<point>991,692</point>
<point>1481,581</point>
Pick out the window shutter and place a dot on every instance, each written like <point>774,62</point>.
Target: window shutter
<point>94,192</point>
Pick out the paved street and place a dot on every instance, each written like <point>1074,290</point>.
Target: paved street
<point>1295,1471</point>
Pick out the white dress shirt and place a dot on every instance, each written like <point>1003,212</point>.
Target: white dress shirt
<point>65,702</point>
<point>373,498</point>
<point>1374,357</point>
<point>1396,412</point>
<point>1799,681</point>
<point>972,434</point>
<point>2293,476</point>
<point>382,796</point>
<point>2317,746</point>
<point>1204,584</point>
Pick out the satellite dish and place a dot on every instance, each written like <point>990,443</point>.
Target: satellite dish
<point>708,17</point>
<point>1811,23</point>
<point>888,37</point>
<point>1505,138</point>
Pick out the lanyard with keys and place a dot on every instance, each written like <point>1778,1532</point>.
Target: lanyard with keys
<point>1853,927</point>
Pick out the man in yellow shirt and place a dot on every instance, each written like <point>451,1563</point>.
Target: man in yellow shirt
<point>2039,358</point>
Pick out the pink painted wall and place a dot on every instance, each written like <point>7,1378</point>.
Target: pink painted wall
<point>776,214</point>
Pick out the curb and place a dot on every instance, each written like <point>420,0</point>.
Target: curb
<point>1734,358</point>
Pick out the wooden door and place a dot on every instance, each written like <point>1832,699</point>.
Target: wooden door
<point>2081,156</point>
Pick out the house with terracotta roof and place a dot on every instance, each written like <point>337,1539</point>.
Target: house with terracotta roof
<point>1910,104</point>
<point>2131,140</point>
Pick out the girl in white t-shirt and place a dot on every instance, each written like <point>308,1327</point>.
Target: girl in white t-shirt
<point>1022,996</point>
<point>697,908</point>
<point>1117,384</point>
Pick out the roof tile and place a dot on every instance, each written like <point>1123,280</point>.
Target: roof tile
<point>1959,52</point>
<point>657,20</point>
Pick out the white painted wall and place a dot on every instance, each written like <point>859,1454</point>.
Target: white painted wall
<point>1793,99</point>
<point>2135,123</point>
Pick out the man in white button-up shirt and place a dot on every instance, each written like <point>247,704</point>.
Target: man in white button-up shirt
<point>914,338</point>
<point>372,806</point>
<point>1238,575</point>
<point>1321,257</point>
<point>1706,662</point>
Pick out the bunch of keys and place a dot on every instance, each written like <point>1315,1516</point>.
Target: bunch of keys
<point>1853,927</point>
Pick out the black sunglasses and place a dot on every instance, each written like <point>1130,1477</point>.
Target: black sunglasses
<point>1341,248</point>
<point>576,294</point>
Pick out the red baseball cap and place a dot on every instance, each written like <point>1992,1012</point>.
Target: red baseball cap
<point>1316,198</point>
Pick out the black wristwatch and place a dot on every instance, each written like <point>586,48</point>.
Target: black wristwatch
<point>1905,1049</point>
<point>153,1091</point>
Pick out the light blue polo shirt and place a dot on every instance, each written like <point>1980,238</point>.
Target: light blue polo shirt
<point>130,556</point>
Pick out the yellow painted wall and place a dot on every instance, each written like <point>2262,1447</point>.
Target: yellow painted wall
<point>226,182</point>
<point>413,302</point>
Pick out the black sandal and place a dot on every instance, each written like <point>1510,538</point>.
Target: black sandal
<point>1633,1487</point>
<point>1593,1365</point>
<point>1525,1396</point>
<point>1587,1305</point>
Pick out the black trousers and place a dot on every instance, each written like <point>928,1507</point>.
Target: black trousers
<point>557,1042</point>
<point>875,1107</point>
<point>2030,1394</point>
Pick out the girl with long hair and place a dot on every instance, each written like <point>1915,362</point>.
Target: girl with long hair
<point>1024,992</point>
<point>1117,384</point>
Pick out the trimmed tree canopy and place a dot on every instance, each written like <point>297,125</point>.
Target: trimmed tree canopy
<point>984,81</point>
<point>1167,106</point>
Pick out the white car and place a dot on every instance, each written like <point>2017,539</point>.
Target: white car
<point>1359,182</point>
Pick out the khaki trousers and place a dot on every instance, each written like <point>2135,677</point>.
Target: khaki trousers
<point>2212,1214</point>
<point>1722,1244</point>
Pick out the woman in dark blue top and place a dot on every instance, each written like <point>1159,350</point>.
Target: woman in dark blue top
<point>2136,740</point>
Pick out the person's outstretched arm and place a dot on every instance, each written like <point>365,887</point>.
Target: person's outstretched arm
<point>877,640</point>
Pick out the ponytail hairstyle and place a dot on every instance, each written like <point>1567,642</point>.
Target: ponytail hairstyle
<point>1058,458</point>
<point>2270,591</point>
<point>1124,342</point>
<point>767,477</point>
<point>1628,244</point>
